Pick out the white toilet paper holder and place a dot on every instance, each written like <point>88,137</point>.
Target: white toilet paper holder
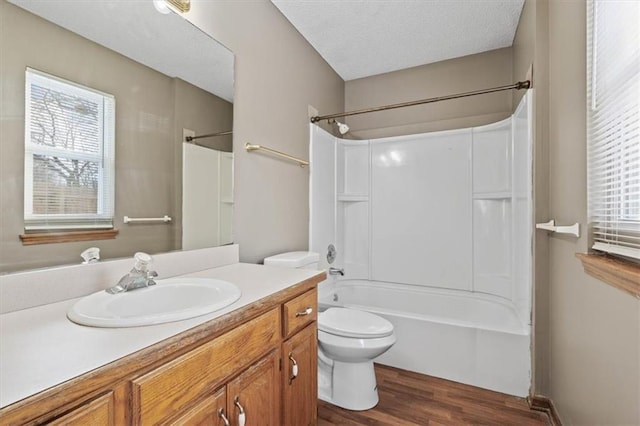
<point>551,226</point>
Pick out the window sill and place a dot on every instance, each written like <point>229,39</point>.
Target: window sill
<point>67,236</point>
<point>617,273</point>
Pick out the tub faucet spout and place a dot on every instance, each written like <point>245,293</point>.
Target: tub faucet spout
<point>336,271</point>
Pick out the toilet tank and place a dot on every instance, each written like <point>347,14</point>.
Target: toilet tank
<point>294,260</point>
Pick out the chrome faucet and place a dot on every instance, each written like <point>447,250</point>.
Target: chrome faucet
<point>139,277</point>
<point>336,271</point>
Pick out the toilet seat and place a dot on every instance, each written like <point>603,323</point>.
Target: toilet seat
<point>353,323</point>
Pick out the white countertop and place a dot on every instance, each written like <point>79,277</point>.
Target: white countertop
<point>40,348</point>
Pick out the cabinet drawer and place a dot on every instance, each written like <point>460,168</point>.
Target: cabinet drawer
<point>296,312</point>
<point>172,387</point>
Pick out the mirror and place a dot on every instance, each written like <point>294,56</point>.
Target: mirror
<point>169,79</point>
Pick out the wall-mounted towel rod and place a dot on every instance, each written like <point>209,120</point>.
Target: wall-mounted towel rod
<point>165,219</point>
<point>210,135</point>
<point>517,86</point>
<point>551,226</point>
<point>251,147</point>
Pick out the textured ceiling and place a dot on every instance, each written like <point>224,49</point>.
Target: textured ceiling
<point>167,43</point>
<point>359,38</point>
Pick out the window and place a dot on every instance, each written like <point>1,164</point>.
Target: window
<point>69,155</point>
<point>613,120</point>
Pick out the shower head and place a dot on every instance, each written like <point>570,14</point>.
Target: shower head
<point>342,128</point>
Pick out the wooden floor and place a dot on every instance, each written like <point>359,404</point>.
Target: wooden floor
<point>408,398</point>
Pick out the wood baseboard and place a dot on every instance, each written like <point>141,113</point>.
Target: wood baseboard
<point>544,404</point>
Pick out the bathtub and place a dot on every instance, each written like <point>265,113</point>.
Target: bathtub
<point>469,338</point>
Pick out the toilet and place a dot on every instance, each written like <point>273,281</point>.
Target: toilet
<point>348,342</point>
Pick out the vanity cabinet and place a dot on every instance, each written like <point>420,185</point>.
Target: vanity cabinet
<point>256,364</point>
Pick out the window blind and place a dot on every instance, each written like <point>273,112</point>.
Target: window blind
<point>69,155</point>
<point>613,125</point>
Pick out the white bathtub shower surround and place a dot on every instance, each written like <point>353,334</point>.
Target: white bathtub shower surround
<point>474,340</point>
<point>322,189</point>
<point>421,210</point>
<point>444,211</point>
<point>207,197</point>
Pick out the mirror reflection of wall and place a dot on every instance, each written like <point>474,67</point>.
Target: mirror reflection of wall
<point>152,109</point>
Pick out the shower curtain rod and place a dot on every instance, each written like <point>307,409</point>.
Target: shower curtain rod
<point>517,86</point>
<point>210,135</point>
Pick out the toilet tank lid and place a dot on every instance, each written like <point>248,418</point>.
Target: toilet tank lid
<point>292,259</point>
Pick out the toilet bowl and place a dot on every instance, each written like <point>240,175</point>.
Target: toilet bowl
<point>348,342</point>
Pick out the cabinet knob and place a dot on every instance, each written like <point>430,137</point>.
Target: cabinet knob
<point>307,311</point>
<point>294,368</point>
<point>223,417</point>
<point>242,418</point>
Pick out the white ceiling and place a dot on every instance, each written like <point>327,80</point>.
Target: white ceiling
<point>359,38</point>
<point>167,43</point>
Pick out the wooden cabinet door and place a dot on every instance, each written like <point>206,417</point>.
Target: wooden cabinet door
<point>208,412</point>
<point>300,393</point>
<point>98,412</point>
<point>255,393</point>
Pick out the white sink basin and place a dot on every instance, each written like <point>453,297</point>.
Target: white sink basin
<point>169,300</point>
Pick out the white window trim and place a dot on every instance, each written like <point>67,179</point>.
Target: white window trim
<point>103,218</point>
<point>608,216</point>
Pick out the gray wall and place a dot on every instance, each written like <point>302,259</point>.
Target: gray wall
<point>277,75</point>
<point>594,328</point>
<point>145,144</point>
<point>587,332</point>
<point>473,72</point>
<point>203,113</point>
